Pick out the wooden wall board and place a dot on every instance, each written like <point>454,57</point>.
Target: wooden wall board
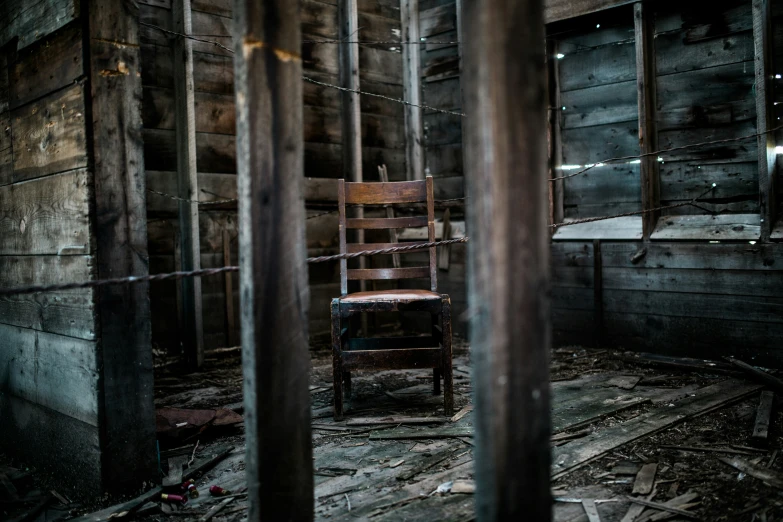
<point>555,10</point>
<point>217,29</point>
<point>590,145</point>
<point>615,228</point>
<point>215,152</point>
<point>708,306</point>
<point>58,372</point>
<point>52,63</point>
<point>215,113</point>
<point>444,160</point>
<point>211,73</point>
<point>674,57</point>
<point>6,142</point>
<point>442,95</point>
<point>69,313</point>
<point>609,184</point>
<point>732,111</point>
<point>722,227</point>
<point>604,65</point>
<point>601,105</point>
<point>437,20</point>
<point>683,181</point>
<point>701,256</point>
<point>31,20</point>
<point>46,216</point>
<point>726,82</point>
<point>49,135</point>
<point>442,129</point>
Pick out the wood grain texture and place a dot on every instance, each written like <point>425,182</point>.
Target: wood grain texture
<point>49,135</point>
<point>187,184</point>
<point>68,313</point>
<point>119,220</point>
<point>555,10</point>
<point>47,216</point>
<point>411,65</point>
<point>273,284</point>
<point>505,94</point>
<point>51,64</point>
<point>6,141</point>
<point>31,20</point>
<point>58,372</point>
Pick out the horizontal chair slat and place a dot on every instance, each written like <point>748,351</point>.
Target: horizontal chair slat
<point>383,193</point>
<point>364,274</point>
<point>392,359</point>
<point>392,343</point>
<point>380,223</point>
<point>361,247</point>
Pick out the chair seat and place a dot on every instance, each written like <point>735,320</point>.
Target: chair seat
<point>399,295</point>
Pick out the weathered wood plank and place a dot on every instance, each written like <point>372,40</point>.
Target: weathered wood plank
<point>600,66</point>
<point>119,219</point>
<point>726,282</point>
<point>51,64</point>
<point>763,416</point>
<point>58,372</point>
<point>714,257</point>
<point>68,313</point>
<point>214,113</point>
<point>273,284</point>
<point>590,145</point>
<point>508,255</point>
<point>686,89</point>
<point>46,216</point>
<point>675,56</point>
<point>765,111</point>
<point>411,60</point>
<point>214,152</point>
<point>556,10</point>
<point>616,228</point>
<point>31,20</point>
<point>49,135</point>
<point>6,141</point>
<point>614,103</point>
<point>722,227</point>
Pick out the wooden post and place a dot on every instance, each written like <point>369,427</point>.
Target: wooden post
<point>187,184</point>
<point>762,38</point>
<point>598,293</point>
<point>411,88</point>
<point>554,114</point>
<point>644,30</point>
<point>273,272</point>
<point>127,411</point>
<point>228,281</point>
<point>348,56</point>
<point>508,256</point>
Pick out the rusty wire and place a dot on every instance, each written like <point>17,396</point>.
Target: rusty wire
<point>205,272</point>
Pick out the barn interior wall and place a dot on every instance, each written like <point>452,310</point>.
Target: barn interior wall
<point>382,144</point>
<point>57,359</point>
<point>705,284</point>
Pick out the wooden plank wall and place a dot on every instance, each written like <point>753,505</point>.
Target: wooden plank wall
<point>48,349</point>
<point>598,113</point>
<point>382,139</point>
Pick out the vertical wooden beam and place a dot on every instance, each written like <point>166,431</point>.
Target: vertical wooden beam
<point>644,31</point>
<point>228,281</point>
<point>273,277</point>
<point>126,408</point>
<point>508,256</point>
<point>348,57</point>
<point>598,293</point>
<point>555,142</point>
<point>411,88</point>
<point>187,184</point>
<point>764,49</point>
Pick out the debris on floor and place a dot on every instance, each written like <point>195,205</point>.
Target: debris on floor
<point>636,437</point>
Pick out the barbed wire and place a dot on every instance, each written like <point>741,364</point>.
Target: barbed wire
<point>312,80</point>
<point>635,212</point>
<point>186,200</point>
<point>205,272</point>
<point>377,42</point>
<point>396,100</point>
<point>664,151</point>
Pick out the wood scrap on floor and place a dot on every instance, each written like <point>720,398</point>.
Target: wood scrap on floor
<point>645,479</point>
<point>763,415</point>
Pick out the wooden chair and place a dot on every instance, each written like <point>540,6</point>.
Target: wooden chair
<point>433,351</point>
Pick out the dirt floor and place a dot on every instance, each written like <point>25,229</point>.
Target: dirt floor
<point>623,427</point>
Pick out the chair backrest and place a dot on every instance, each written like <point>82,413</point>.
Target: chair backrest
<point>375,193</point>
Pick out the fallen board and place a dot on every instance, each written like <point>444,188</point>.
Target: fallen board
<point>574,455</point>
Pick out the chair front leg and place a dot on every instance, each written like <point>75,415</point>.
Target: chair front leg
<point>436,373</point>
<point>337,359</point>
<point>448,383</point>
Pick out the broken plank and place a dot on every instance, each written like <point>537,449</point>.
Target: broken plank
<point>441,433</point>
<point>683,502</point>
<point>758,375</point>
<point>763,414</point>
<point>767,476</point>
<point>576,454</point>
<point>174,477</point>
<point>706,449</point>
<point>645,479</point>
<point>394,419</point>
<point>461,413</point>
<point>215,510</point>
<point>591,510</point>
<point>425,464</point>
<point>663,507</point>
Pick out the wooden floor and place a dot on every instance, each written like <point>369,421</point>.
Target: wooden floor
<point>395,457</point>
